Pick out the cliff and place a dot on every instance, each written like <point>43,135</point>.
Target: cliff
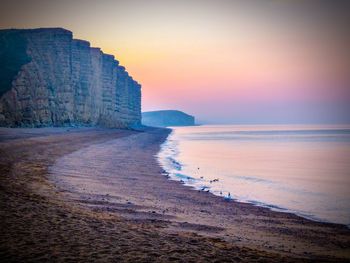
<point>47,78</point>
<point>166,118</point>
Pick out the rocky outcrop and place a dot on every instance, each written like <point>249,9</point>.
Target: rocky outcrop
<point>165,118</point>
<point>47,78</point>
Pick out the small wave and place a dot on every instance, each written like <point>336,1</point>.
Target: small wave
<point>273,207</point>
<point>167,155</point>
<point>278,185</point>
<point>274,132</point>
<point>183,176</point>
<point>176,165</point>
<point>274,135</point>
<point>254,179</point>
<point>285,210</point>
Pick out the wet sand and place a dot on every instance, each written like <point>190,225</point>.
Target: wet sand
<point>99,195</point>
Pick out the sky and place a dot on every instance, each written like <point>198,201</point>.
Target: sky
<point>223,61</point>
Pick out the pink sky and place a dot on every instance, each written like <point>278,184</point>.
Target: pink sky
<point>222,61</point>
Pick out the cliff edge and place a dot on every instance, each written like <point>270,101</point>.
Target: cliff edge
<point>47,78</point>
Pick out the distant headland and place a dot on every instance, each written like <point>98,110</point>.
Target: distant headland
<point>47,78</point>
<point>164,118</point>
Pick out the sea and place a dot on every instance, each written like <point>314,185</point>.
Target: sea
<point>302,169</point>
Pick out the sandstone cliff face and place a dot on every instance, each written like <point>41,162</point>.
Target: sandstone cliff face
<point>47,78</point>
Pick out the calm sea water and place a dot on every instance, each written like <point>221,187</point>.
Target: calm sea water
<point>299,169</point>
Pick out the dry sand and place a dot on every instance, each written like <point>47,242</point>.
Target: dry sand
<point>99,195</point>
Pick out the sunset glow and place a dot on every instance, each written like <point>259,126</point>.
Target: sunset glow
<point>222,61</point>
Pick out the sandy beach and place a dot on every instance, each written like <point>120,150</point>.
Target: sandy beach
<point>99,195</point>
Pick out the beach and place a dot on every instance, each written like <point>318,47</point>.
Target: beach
<point>100,195</point>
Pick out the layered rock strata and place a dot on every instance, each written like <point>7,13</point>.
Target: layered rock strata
<point>47,78</point>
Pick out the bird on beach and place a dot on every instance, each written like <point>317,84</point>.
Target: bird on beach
<point>228,197</point>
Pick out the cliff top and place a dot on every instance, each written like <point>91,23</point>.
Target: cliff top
<point>82,43</point>
<point>39,30</point>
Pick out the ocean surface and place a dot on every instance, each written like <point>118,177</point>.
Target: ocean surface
<point>303,169</point>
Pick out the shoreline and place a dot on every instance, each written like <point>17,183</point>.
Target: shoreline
<point>173,168</point>
<point>271,207</point>
<point>111,178</point>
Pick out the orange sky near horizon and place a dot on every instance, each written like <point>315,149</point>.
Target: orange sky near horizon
<point>223,61</point>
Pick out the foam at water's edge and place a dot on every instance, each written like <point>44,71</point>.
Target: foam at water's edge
<point>167,157</point>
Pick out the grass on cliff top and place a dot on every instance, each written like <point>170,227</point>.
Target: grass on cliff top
<point>12,57</point>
